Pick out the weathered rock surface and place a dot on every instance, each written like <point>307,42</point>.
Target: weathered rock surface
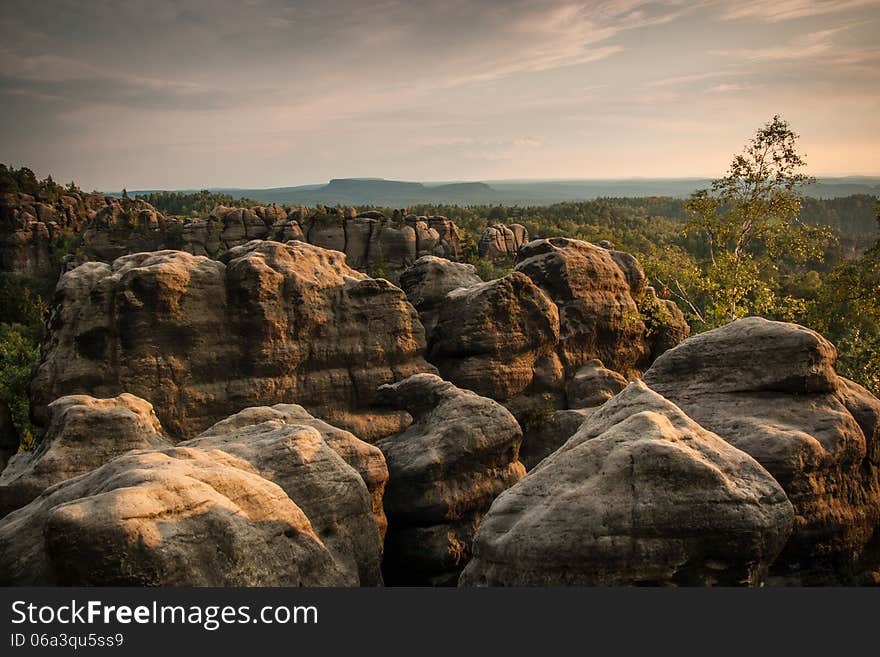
<point>445,469</point>
<point>641,494</point>
<point>770,389</point>
<point>499,241</point>
<point>201,339</point>
<point>543,437</point>
<point>83,433</point>
<point>493,337</point>
<point>597,300</point>
<point>592,385</point>
<point>172,517</point>
<point>428,282</point>
<point>367,460</point>
<point>330,492</point>
<point>108,227</point>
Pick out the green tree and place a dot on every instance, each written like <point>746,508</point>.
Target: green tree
<point>847,311</point>
<point>749,220</point>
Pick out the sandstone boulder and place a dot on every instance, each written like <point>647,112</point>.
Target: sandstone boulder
<point>598,312</point>
<point>770,389</point>
<point>428,282</point>
<point>83,433</point>
<point>202,339</point>
<point>367,460</point>
<point>445,469</point>
<point>494,337</point>
<point>328,490</point>
<point>592,385</point>
<point>641,494</point>
<point>171,517</point>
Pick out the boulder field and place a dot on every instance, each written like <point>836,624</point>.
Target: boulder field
<point>275,417</point>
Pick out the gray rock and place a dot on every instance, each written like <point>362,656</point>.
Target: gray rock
<point>641,494</point>
<point>445,469</point>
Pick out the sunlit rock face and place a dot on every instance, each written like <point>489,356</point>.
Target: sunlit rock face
<point>172,517</point>
<point>201,339</point>
<point>770,389</point>
<point>83,433</point>
<point>334,478</point>
<point>640,495</point>
<point>445,469</point>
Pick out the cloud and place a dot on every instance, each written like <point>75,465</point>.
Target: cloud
<point>807,46</point>
<point>783,10</point>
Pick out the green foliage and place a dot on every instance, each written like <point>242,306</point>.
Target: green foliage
<point>25,181</point>
<point>18,354</point>
<point>23,314</point>
<point>196,204</point>
<point>847,311</point>
<point>750,223</point>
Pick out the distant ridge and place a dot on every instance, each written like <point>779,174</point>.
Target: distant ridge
<point>391,193</point>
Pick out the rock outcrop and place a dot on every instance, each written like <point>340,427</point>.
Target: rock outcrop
<point>640,495</point>
<point>445,469</point>
<point>34,233</point>
<point>83,433</point>
<point>597,292</point>
<point>496,338</point>
<point>330,492</point>
<point>366,459</point>
<point>499,241</point>
<point>201,339</point>
<point>428,282</point>
<point>171,517</point>
<point>770,389</point>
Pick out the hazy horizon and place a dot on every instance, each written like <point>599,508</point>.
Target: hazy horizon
<point>265,93</point>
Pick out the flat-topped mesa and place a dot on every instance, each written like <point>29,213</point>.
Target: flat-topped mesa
<point>770,389</point>
<point>201,339</point>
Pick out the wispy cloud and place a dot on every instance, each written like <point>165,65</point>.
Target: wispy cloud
<point>807,46</point>
<point>783,10</point>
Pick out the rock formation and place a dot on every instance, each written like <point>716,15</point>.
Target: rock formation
<point>445,470</point>
<point>499,241</point>
<point>329,491</point>
<point>202,339</point>
<point>83,433</point>
<point>495,338</point>
<point>34,232</point>
<point>428,282</point>
<point>171,517</point>
<point>366,459</point>
<point>597,292</point>
<point>641,494</point>
<point>770,389</point>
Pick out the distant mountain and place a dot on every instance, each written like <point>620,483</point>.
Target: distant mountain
<point>397,193</point>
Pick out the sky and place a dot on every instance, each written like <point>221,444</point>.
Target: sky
<point>163,94</point>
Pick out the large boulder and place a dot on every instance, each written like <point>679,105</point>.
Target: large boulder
<point>171,517</point>
<point>428,282</point>
<point>202,339</point>
<point>597,300</point>
<point>445,469</point>
<point>499,241</point>
<point>495,338</point>
<point>84,433</point>
<point>770,389</point>
<point>641,494</point>
<point>328,490</point>
<point>366,459</point>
